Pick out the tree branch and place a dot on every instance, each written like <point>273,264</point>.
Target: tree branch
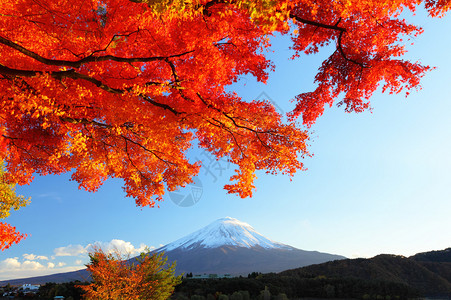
<point>88,59</point>
<point>223,126</point>
<point>84,121</point>
<point>340,48</point>
<point>148,150</point>
<point>75,75</point>
<point>317,24</point>
<point>333,27</point>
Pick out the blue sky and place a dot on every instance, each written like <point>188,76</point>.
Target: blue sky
<point>379,182</point>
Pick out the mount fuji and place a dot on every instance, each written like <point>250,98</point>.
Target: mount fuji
<point>226,246</point>
<point>224,232</point>
<point>234,247</point>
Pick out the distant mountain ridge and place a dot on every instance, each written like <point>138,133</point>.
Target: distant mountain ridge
<point>80,275</point>
<point>225,246</point>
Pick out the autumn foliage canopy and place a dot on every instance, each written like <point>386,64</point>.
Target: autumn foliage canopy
<point>123,88</point>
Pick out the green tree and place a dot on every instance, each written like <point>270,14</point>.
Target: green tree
<point>223,297</point>
<point>245,294</point>
<point>282,296</point>
<point>329,290</point>
<point>236,296</point>
<point>211,297</point>
<point>265,294</point>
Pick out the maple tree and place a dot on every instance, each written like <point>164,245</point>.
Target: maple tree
<point>115,278</point>
<point>123,88</point>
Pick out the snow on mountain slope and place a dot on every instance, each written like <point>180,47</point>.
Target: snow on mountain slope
<point>224,232</point>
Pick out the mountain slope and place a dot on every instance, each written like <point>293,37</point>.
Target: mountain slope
<point>80,275</point>
<point>431,279</point>
<point>242,260</point>
<point>434,256</point>
<point>234,247</point>
<point>438,262</point>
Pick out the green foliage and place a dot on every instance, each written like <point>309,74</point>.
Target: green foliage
<point>282,296</point>
<point>265,294</point>
<point>253,275</point>
<point>161,274</point>
<point>223,297</point>
<point>8,198</point>
<point>236,296</point>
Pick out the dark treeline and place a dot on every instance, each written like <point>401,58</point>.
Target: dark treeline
<point>69,290</point>
<point>48,291</point>
<point>274,286</point>
<point>259,286</point>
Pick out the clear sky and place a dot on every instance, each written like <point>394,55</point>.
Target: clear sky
<point>379,182</point>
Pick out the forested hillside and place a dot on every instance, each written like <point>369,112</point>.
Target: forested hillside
<point>277,286</point>
<point>431,278</point>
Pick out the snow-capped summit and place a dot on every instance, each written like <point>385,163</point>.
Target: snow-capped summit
<point>224,232</point>
<point>230,246</point>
